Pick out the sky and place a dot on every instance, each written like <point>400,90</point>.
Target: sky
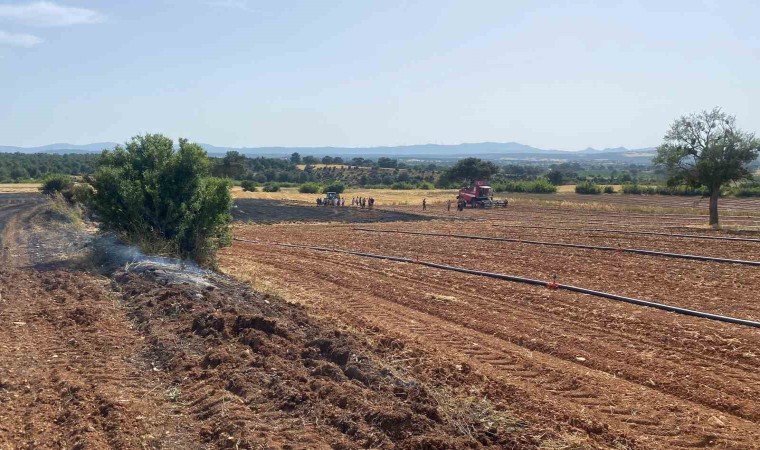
<point>556,75</point>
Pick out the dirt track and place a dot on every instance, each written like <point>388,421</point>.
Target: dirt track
<point>621,373</point>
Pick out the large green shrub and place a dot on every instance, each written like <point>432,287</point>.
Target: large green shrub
<point>248,185</point>
<point>426,186</point>
<point>402,186</point>
<point>271,187</point>
<point>538,186</point>
<point>587,187</point>
<point>309,188</point>
<point>336,186</point>
<point>151,192</point>
<point>749,189</point>
<point>56,183</point>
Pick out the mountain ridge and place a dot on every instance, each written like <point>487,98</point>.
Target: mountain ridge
<point>418,150</point>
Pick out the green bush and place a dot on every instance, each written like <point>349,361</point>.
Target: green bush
<point>609,190</point>
<point>679,190</point>
<point>336,186</point>
<point>636,189</point>
<point>426,186</point>
<point>82,194</point>
<point>155,194</point>
<point>750,189</point>
<point>56,183</point>
<point>747,191</point>
<point>309,188</point>
<point>402,186</point>
<point>538,186</point>
<point>587,187</point>
<point>248,185</point>
<point>271,187</point>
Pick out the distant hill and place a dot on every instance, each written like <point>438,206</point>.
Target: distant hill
<point>487,150</point>
<point>60,148</point>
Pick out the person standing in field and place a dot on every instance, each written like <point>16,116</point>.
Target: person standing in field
<point>424,204</point>
<point>448,206</point>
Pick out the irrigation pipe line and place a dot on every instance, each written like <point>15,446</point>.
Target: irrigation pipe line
<point>561,244</point>
<point>516,279</point>
<point>651,233</point>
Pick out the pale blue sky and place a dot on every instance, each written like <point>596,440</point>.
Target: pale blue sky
<point>563,75</point>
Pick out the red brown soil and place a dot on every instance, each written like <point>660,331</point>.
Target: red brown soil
<point>145,361</point>
<point>618,372</point>
<point>70,372</point>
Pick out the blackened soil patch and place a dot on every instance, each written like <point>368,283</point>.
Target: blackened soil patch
<point>274,211</point>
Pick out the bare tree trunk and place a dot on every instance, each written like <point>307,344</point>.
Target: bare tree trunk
<point>714,194</point>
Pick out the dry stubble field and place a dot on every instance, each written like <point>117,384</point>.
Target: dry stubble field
<point>619,375</point>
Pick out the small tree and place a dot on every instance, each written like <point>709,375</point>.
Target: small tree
<point>471,169</point>
<point>707,149</point>
<point>147,189</point>
<point>555,177</point>
<point>295,158</point>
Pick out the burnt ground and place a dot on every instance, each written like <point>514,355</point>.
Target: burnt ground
<point>274,211</point>
<point>152,358</point>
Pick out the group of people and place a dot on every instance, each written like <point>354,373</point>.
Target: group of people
<point>335,201</point>
<point>363,202</point>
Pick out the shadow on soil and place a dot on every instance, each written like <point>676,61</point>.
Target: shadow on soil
<point>274,211</point>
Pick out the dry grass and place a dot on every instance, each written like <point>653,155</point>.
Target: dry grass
<point>473,415</point>
<point>382,196</point>
<point>6,188</point>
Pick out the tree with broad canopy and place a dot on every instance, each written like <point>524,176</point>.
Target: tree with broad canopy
<point>707,149</point>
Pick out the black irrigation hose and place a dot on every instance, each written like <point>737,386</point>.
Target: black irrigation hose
<point>516,279</point>
<point>651,233</point>
<point>561,244</point>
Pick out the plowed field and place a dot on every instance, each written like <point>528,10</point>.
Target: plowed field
<point>621,374</point>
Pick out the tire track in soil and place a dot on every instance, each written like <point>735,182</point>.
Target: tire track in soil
<point>629,369</point>
<point>542,374</point>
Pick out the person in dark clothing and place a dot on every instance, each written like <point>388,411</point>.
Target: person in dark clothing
<point>448,205</point>
<point>424,204</point>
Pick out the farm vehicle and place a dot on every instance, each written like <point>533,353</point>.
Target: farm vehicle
<point>480,195</point>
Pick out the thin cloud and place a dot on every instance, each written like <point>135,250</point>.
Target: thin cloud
<point>19,40</point>
<point>48,14</point>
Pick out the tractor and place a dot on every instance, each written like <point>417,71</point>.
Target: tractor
<point>330,198</point>
<point>480,195</point>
